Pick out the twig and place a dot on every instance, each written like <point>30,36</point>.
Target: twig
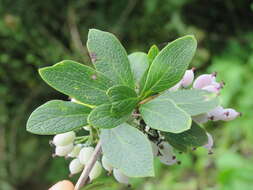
<point>123,17</point>
<point>75,35</point>
<point>83,179</point>
<point>148,99</point>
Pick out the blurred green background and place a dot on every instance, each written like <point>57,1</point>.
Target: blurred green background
<point>34,34</point>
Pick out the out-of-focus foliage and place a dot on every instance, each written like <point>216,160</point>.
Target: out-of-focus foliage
<point>34,34</point>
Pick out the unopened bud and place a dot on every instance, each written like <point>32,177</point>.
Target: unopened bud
<point>211,88</point>
<point>75,166</point>
<point>218,85</point>
<point>75,152</point>
<point>217,114</point>
<point>63,150</point>
<point>85,154</point>
<point>120,177</point>
<point>204,80</point>
<point>230,114</point>
<point>167,155</point>
<point>106,165</point>
<point>176,87</point>
<point>187,78</point>
<point>64,138</point>
<point>96,171</point>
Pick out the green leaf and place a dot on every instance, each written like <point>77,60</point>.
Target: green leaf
<point>139,64</point>
<point>102,117</point>
<point>77,81</point>
<point>123,98</point>
<point>110,57</point>
<point>56,117</point>
<point>193,101</point>
<point>192,138</point>
<point>152,53</point>
<point>165,115</point>
<point>169,66</point>
<point>129,150</point>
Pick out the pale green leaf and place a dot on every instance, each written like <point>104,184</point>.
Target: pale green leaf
<point>193,101</point>
<point>129,150</point>
<point>110,57</point>
<point>169,66</point>
<point>192,138</point>
<point>56,117</point>
<point>139,64</point>
<point>152,53</point>
<point>123,98</point>
<point>165,115</point>
<point>102,117</point>
<point>77,81</point>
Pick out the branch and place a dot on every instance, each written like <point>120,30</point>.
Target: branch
<point>83,179</point>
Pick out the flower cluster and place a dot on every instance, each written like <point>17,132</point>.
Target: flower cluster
<point>207,82</point>
<point>67,145</point>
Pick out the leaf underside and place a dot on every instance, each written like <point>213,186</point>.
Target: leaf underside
<point>165,115</point>
<point>139,63</point>
<point>129,150</point>
<point>193,101</point>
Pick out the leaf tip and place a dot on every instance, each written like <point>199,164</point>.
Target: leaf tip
<point>192,38</point>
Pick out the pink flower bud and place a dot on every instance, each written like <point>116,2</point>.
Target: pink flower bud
<point>218,85</point>
<point>230,114</point>
<point>204,80</point>
<point>176,87</point>
<point>188,78</point>
<point>217,114</point>
<point>166,155</point>
<point>211,88</point>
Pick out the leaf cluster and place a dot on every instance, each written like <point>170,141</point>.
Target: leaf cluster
<point>120,86</point>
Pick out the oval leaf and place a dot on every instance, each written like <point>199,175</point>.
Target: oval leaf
<point>139,64</point>
<point>165,115</point>
<point>129,150</point>
<point>110,57</point>
<point>123,98</point>
<point>152,53</point>
<point>77,81</point>
<point>192,138</point>
<point>102,117</point>
<point>169,65</point>
<point>193,101</point>
<point>56,117</point>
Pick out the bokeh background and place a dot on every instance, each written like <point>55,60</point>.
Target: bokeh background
<point>37,33</point>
